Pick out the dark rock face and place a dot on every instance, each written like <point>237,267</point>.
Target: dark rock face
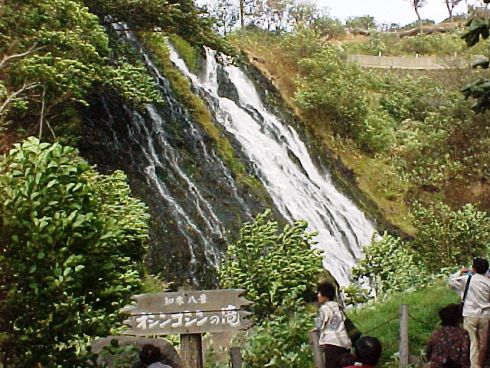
<point>226,87</point>
<point>195,204</point>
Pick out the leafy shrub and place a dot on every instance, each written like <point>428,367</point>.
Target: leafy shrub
<point>71,241</point>
<point>280,341</point>
<point>411,98</point>
<point>388,266</point>
<point>335,88</point>
<point>328,27</point>
<point>302,43</point>
<point>340,91</point>
<point>276,268</point>
<point>449,237</point>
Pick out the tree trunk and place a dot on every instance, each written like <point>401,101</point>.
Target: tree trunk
<point>242,20</point>
<point>418,15</point>
<point>449,9</point>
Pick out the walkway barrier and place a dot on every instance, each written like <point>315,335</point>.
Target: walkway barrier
<point>404,353</point>
<point>412,62</point>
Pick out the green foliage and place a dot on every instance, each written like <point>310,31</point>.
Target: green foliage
<point>71,243</point>
<point>188,53</point>
<point>480,89</point>
<point>331,88</point>
<point>179,17</point>
<point>328,27</point>
<point>281,341</point>
<point>435,137</point>
<point>275,267</point>
<point>54,53</point>
<point>365,22</point>
<point>388,266</point>
<point>450,237</point>
<point>411,98</point>
<point>303,43</point>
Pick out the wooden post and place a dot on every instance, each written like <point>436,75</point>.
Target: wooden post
<point>404,353</point>
<point>191,350</point>
<point>317,351</point>
<point>236,357</point>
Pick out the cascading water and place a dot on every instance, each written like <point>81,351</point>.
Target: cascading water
<point>192,194</point>
<point>298,188</point>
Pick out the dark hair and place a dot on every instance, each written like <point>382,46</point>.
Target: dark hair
<point>450,315</point>
<point>346,360</point>
<point>368,350</point>
<point>150,354</point>
<point>327,289</point>
<point>480,265</point>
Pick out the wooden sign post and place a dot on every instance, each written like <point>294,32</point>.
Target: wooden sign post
<point>188,313</point>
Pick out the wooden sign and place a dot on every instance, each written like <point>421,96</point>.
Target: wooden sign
<point>187,312</point>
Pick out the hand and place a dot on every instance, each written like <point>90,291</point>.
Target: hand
<point>463,270</point>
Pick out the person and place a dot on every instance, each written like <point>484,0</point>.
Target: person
<point>333,340</point>
<point>449,345</point>
<point>150,357</point>
<point>367,352</point>
<point>476,309</point>
<point>346,360</point>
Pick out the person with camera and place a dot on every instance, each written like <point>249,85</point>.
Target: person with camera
<point>474,288</point>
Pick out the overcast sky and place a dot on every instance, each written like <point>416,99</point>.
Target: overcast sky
<point>388,11</point>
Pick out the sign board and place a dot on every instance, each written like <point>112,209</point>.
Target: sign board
<point>187,312</point>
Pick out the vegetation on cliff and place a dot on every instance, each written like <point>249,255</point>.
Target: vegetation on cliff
<point>406,136</point>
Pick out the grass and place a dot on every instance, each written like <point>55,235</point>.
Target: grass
<point>424,305</point>
<point>187,52</point>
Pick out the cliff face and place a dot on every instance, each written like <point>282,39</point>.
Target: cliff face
<point>196,205</point>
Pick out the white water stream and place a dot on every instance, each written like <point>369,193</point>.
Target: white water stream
<point>298,188</point>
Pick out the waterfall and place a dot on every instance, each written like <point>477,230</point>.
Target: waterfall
<point>298,188</point>
<point>192,194</point>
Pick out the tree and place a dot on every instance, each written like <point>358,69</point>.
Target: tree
<point>365,22</point>
<point>480,89</point>
<point>449,237</point>
<point>71,245</point>
<point>450,5</point>
<point>180,17</point>
<point>304,13</point>
<point>416,5</point>
<point>389,265</point>
<point>275,267</point>
<point>53,53</point>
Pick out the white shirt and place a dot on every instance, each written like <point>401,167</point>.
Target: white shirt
<point>158,365</point>
<point>477,302</point>
<point>330,323</point>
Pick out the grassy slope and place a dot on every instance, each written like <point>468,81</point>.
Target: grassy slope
<point>375,177</point>
<point>423,307</point>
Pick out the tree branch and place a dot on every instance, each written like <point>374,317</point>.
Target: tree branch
<point>41,118</point>
<point>8,58</point>
<point>12,96</point>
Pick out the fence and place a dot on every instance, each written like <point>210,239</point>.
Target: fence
<point>411,62</point>
<point>403,316</point>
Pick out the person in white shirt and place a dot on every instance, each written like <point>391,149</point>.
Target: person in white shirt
<point>334,339</point>
<point>476,309</point>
